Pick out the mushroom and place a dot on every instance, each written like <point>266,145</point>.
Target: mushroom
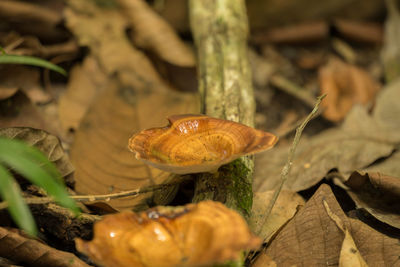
<point>200,234</point>
<point>198,143</point>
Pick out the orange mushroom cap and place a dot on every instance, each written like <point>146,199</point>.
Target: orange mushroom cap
<point>198,143</point>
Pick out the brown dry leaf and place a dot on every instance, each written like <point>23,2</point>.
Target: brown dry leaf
<point>18,111</point>
<point>345,85</point>
<point>349,254</point>
<point>31,252</point>
<point>45,142</point>
<point>151,31</point>
<point>25,78</point>
<point>378,194</point>
<point>359,142</point>
<point>312,238</point>
<point>7,92</point>
<point>284,209</point>
<point>134,97</point>
<point>84,83</point>
<point>263,260</point>
<point>389,166</point>
<point>390,51</point>
<point>193,235</point>
<point>100,151</point>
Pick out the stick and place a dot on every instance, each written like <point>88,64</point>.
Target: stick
<point>106,197</point>
<point>286,169</point>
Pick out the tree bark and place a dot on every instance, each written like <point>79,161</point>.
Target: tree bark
<point>220,30</point>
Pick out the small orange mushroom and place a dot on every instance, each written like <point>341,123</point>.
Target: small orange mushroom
<point>193,235</point>
<point>198,143</point>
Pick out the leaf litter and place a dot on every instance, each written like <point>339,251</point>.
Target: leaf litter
<point>312,238</point>
<point>357,143</point>
<point>116,91</point>
<point>99,152</point>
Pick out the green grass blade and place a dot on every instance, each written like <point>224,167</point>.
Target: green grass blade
<point>34,166</point>
<point>33,61</point>
<point>19,211</point>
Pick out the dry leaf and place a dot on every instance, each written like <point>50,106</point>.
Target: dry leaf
<point>48,144</point>
<point>263,260</point>
<point>34,253</point>
<point>378,194</point>
<point>359,142</point>
<point>100,151</point>
<point>26,79</point>
<point>108,43</point>
<point>193,235</point>
<point>390,51</point>
<point>349,254</point>
<point>198,143</point>
<point>284,209</point>
<point>18,111</point>
<point>134,97</point>
<point>7,92</point>
<point>84,83</point>
<point>312,238</point>
<point>389,166</point>
<point>345,85</point>
<point>151,31</point>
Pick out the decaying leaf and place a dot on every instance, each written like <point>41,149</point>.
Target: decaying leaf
<point>345,86</point>
<point>264,260</point>
<point>378,194</point>
<point>31,252</point>
<point>390,51</point>
<point>19,111</point>
<point>85,82</point>
<point>151,31</point>
<point>198,143</point>
<point>100,151</point>
<point>359,142</point>
<point>284,209</point>
<point>389,166</point>
<point>45,142</point>
<point>23,78</point>
<point>349,254</point>
<point>100,154</point>
<point>193,235</point>
<point>312,238</point>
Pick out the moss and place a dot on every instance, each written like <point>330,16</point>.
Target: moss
<point>240,185</point>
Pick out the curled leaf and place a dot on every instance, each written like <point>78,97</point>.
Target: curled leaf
<point>345,85</point>
<point>151,31</point>
<point>193,235</point>
<point>198,143</point>
<point>378,194</point>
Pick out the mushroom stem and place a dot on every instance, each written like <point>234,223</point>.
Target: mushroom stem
<point>220,30</point>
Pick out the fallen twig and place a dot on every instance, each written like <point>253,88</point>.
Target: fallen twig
<point>106,197</point>
<point>286,169</point>
<point>292,89</point>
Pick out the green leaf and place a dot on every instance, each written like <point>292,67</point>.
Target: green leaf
<point>10,192</point>
<point>35,167</point>
<point>34,61</point>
